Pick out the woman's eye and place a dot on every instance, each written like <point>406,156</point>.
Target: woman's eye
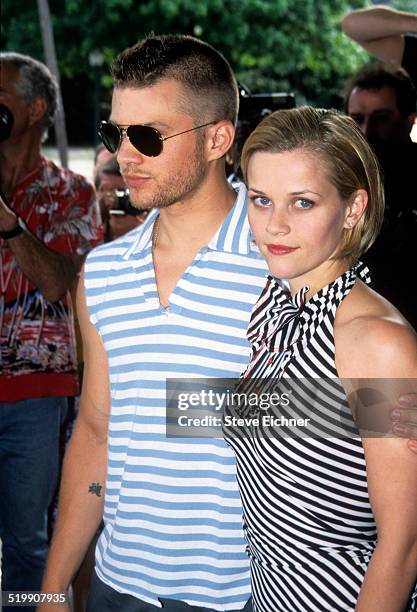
<point>260,200</point>
<point>303,203</point>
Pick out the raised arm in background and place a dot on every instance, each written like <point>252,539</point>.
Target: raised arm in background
<point>380,31</point>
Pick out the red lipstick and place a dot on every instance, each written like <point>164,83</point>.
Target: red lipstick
<point>280,249</point>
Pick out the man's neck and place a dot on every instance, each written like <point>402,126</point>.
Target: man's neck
<point>190,225</point>
<point>16,161</point>
<point>185,228</point>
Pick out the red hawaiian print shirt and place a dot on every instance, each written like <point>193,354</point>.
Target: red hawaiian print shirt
<point>37,340</point>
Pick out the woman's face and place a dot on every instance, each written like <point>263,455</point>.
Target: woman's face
<point>296,215</point>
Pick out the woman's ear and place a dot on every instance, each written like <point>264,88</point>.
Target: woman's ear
<point>220,139</point>
<point>356,208</point>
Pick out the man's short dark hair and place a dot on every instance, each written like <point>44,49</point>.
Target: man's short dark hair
<point>374,76</point>
<point>205,75</point>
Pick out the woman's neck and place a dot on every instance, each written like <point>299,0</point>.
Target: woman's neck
<point>318,277</point>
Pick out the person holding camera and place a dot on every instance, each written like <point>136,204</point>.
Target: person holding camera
<point>117,213</point>
<point>49,220</point>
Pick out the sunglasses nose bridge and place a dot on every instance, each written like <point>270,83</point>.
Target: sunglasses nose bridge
<point>123,138</point>
<point>123,134</point>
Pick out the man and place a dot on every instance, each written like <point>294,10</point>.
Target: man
<point>101,155</point>
<point>382,100</point>
<point>172,512</point>
<point>48,221</point>
<point>388,34</point>
<point>172,299</point>
<point>117,214</point>
<point>387,114</point>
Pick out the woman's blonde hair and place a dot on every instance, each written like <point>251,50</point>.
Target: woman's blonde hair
<point>351,163</point>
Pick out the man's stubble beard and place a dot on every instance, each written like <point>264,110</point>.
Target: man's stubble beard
<point>178,187</point>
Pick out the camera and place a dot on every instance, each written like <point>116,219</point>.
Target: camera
<point>124,206</point>
<point>6,122</point>
<point>252,109</point>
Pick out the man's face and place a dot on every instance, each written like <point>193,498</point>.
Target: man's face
<point>9,96</point>
<point>178,172</point>
<point>106,192</point>
<point>377,114</point>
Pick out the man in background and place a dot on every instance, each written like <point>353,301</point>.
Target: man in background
<point>101,155</point>
<point>382,100</point>
<point>384,104</point>
<point>117,213</point>
<point>49,220</point>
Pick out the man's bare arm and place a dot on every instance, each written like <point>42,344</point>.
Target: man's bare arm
<point>380,31</point>
<point>51,272</point>
<point>84,472</point>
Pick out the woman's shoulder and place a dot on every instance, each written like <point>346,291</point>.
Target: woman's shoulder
<point>372,338</point>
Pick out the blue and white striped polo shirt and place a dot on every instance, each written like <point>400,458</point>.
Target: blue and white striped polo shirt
<point>173,524</point>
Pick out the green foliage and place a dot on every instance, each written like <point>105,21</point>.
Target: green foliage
<point>405,5</point>
<point>273,45</point>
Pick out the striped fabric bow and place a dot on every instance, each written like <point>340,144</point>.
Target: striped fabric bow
<point>276,318</point>
<point>276,310</point>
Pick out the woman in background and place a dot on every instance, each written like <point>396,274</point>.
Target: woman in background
<point>330,520</point>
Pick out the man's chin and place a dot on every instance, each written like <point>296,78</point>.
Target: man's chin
<point>141,205</point>
<point>138,201</point>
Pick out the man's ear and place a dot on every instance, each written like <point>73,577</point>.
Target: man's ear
<point>356,208</point>
<point>37,110</point>
<point>220,139</point>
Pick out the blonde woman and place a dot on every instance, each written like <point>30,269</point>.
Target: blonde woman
<point>331,521</point>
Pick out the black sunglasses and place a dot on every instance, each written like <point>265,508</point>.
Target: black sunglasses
<point>147,140</point>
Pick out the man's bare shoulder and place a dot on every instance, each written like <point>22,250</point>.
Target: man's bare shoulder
<point>372,338</point>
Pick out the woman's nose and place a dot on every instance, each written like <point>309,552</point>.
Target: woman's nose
<point>278,222</point>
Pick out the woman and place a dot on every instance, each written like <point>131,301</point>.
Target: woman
<point>331,519</point>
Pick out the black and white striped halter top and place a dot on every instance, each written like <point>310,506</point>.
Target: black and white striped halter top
<point>307,516</point>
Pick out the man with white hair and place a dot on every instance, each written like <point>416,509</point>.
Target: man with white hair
<point>49,220</point>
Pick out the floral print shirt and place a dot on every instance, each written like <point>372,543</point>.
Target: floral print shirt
<point>37,340</point>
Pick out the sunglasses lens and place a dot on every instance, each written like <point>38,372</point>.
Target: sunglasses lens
<point>145,139</point>
<point>110,136</point>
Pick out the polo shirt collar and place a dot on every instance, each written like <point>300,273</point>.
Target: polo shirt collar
<point>142,236</point>
<point>233,236</point>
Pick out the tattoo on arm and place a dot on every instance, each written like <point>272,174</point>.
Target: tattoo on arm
<point>95,488</point>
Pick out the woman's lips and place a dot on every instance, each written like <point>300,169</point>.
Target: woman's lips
<point>280,249</point>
